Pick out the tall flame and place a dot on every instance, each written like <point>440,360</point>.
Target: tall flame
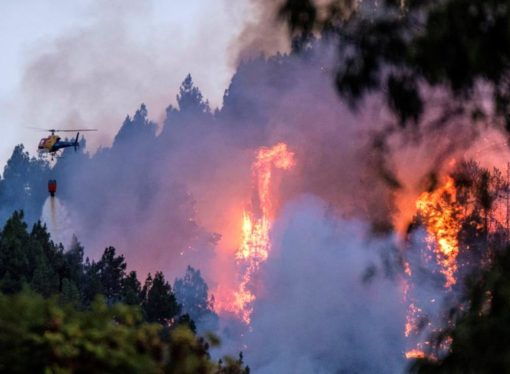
<point>441,214</point>
<point>255,244</point>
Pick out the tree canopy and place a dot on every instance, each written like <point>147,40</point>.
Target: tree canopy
<point>405,49</point>
<point>68,314</point>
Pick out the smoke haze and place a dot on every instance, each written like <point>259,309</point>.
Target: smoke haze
<point>171,192</point>
<point>321,315</point>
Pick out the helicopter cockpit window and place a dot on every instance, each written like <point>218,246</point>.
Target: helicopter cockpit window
<point>41,143</point>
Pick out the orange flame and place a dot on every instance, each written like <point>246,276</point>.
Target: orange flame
<point>442,217</point>
<point>255,244</point>
<point>414,354</point>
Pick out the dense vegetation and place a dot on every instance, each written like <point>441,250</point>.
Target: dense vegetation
<point>450,56</point>
<point>74,315</point>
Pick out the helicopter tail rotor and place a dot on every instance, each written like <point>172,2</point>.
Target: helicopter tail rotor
<point>76,144</point>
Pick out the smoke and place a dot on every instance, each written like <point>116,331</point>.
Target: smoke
<point>318,311</point>
<point>125,52</point>
<point>171,194</point>
<point>175,197</point>
<point>262,33</point>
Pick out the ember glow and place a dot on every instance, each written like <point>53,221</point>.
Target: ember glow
<point>414,354</point>
<point>256,225</point>
<point>442,216</point>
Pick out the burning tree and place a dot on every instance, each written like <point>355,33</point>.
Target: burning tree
<point>256,225</point>
<point>464,219</point>
<point>441,214</point>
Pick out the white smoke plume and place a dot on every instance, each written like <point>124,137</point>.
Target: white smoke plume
<point>321,312</point>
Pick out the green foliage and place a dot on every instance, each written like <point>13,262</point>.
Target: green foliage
<point>14,257</point>
<point>20,188</point>
<point>111,270</point>
<point>61,315</point>
<point>34,261</point>
<point>131,290</point>
<point>74,266</point>
<point>38,335</point>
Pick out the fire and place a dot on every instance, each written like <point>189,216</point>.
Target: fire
<point>442,217</point>
<point>413,313</point>
<point>414,354</point>
<point>256,225</point>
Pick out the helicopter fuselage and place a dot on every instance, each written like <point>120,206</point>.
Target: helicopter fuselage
<point>52,144</point>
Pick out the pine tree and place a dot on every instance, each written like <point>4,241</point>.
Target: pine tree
<point>45,281</point>
<point>111,271</point>
<point>74,262</point>
<point>91,284</point>
<point>131,290</point>
<point>14,257</point>
<point>70,293</point>
<point>22,187</point>
<point>191,292</point>
<point>190,98</point>
<point>137,129</point>
<point>159,303</point>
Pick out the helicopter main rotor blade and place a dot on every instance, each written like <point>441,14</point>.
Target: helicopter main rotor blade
<point>39,129</point>
<point>60,130</point>
<point>74,130</point>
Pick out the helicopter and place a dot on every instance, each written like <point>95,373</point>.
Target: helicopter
<point>53,143</point>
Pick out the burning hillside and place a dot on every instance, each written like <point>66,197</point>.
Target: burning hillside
<point>255,243</point>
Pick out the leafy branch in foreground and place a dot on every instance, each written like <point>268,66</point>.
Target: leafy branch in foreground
<point>41,335</point>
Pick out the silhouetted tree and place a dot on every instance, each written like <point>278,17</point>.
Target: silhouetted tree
<point>111,271</point>
<point>131,290</point>
<point>478,329</point>
<point>14,258</point>
<point>74,262</point>
<point>91,286</point>
<point>159,303</point>
<point>185,320</point>
<point>23,186</point>
<point>138,129</point>
<point>191,292</point>
<point>397,46</point>
<point>190,99</point>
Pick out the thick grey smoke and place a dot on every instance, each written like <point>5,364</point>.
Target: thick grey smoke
<point>262,33</point>
<point>321,313</point>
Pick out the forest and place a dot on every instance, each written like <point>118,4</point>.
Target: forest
<point>283,215</point>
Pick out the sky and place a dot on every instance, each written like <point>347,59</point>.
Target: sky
<point>89,63</point>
